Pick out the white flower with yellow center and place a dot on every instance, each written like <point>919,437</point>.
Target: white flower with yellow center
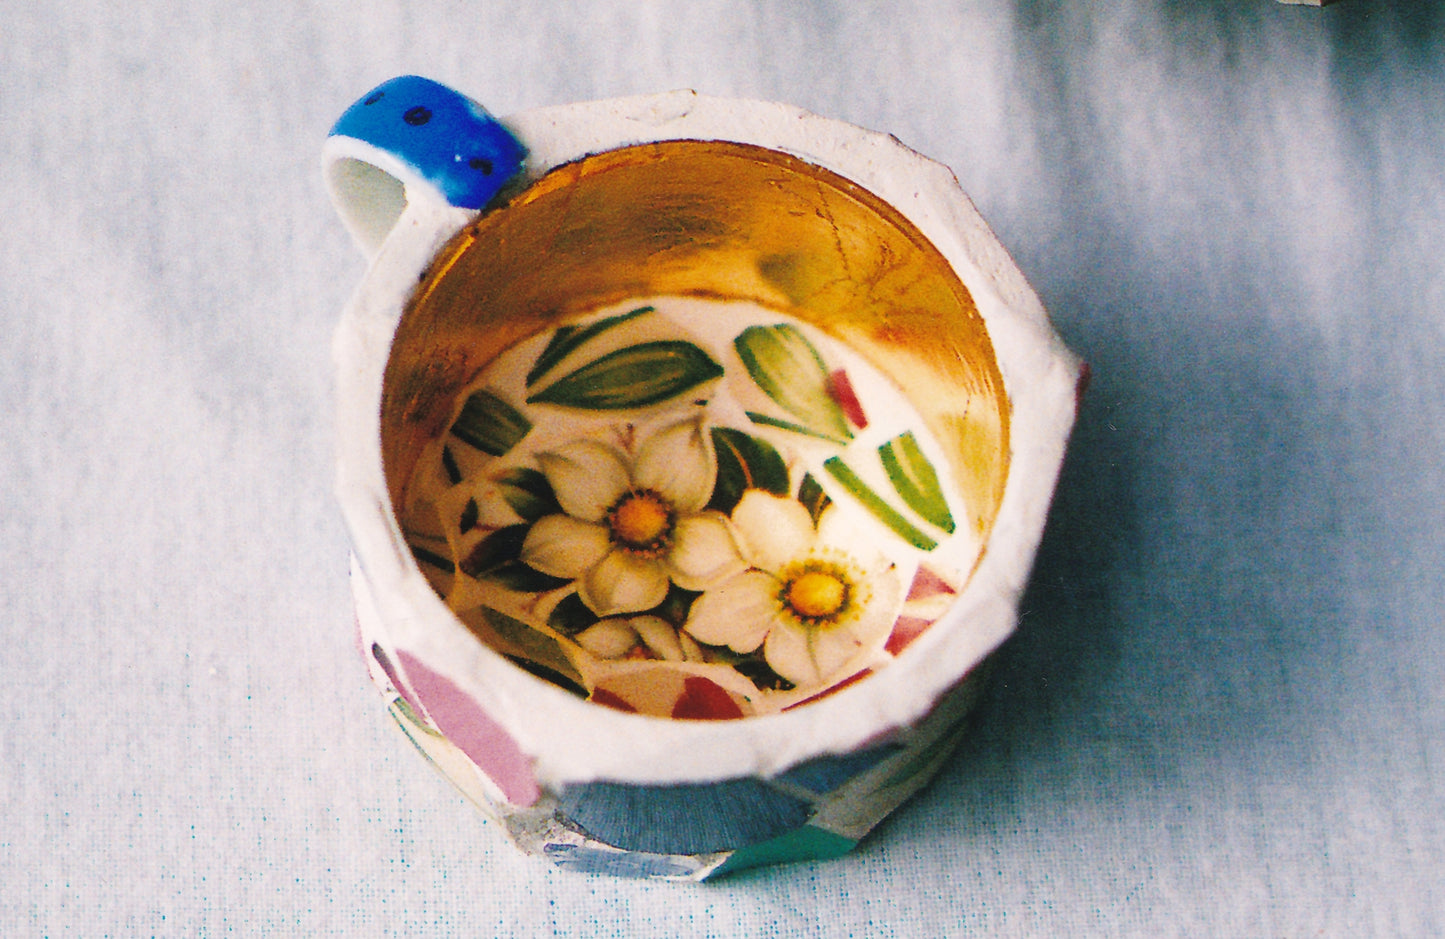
<point>816,601</point>
<point>630,526</point>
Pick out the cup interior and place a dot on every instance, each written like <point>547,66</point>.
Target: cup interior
<point>708,219</point>
<point>714,219</point>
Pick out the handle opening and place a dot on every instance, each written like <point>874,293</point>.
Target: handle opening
<point>412,139</point>
<point>368,198</point>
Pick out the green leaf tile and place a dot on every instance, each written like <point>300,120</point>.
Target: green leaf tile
<point>490,424</point>
<point>568,339</point>
<point>788,369</point>
<point>875,504</point>
<point>632,377</point>
<point>916,480</point>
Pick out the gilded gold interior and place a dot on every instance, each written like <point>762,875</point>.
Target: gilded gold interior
<point>714,219</point>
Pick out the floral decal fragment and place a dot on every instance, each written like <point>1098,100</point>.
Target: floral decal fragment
<point>689,509</point>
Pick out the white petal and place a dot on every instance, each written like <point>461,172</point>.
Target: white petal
<point>845,532</point>
<point>703,551</point>
<point>790,653</point>
<point>883,602</point>
<point>736,613</point>
<point>772,530</point>
<point>691,651</point>
<point>608,639</point>
<point>588,477</point>
<point>659,635</point>
<point>622,583</point>
<point>678,463</point>
<point>564,547</point>
<point>844,540</point>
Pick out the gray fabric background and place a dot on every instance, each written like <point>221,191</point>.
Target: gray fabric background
<point>1223,714</point>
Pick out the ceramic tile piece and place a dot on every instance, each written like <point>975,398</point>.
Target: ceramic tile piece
<point>683,819</point>
<point>808,843</point>
<point>589,860</point>
<point>393,680</point>
<point>826,773</point>
<point>473,731</point>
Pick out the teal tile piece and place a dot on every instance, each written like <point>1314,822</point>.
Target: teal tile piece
<point>683,819</point>
<point>826,773</point>
<point>808,843</point>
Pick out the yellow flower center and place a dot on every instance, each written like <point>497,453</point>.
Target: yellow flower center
<point>641,523</point>
<point>817,593</point>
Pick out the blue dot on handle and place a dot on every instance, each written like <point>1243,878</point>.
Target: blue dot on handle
<point>445,137</point>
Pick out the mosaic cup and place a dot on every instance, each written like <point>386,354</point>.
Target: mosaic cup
<point>480,232</point>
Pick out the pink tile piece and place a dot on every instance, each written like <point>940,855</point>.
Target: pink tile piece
<point>907,629</point>
<point>840,388</point>
<point>927,583</point>
<point>379,654</point>
<point>465,724</point>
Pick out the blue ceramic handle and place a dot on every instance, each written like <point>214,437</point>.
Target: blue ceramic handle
<point>446,138</point>
<point>413,141</point>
